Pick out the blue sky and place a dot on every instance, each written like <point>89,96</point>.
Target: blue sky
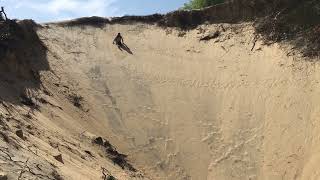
<point>54,10</point>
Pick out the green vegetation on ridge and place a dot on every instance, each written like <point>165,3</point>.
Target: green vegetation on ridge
<point>198,4</point>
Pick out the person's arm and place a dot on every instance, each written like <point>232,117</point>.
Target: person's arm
<point>122,40</point>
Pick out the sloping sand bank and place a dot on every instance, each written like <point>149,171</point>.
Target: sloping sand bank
<point>228,108</point>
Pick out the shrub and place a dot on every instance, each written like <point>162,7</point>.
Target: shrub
<point>76,100</point>
<point>198,4</point>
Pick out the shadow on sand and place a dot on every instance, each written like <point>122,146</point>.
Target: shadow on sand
<point>123,46</point>
<point>22,56</point>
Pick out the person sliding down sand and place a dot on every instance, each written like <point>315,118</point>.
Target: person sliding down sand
<point>121,45</point>
<point>119,41</point>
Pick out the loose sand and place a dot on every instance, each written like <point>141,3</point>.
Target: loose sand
<point>221,109</point>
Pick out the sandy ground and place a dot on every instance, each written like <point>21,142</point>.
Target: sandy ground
<point>223,109</point>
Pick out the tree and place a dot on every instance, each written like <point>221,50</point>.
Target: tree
<point>198,4</point>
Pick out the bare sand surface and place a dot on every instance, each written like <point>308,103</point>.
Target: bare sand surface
<point>180,108</point>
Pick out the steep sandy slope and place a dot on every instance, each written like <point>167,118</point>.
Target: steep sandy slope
<point>35,142</point>
<point>228,108</point>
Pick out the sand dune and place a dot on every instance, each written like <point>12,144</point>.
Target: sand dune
<point>185,109</point>
<point>229,108</point>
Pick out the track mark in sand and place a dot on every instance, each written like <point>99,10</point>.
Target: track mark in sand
<point>209,136</point>
<point>210,83</point>
<point>224,49</point>
<point>227,153</point>
<point>76,52</point>
<point>113,100</point>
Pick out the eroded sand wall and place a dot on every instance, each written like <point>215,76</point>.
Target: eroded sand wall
<point>184,109</point>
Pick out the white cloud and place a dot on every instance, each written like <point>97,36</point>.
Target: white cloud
<point>97,7</point>
<point>64,9</point>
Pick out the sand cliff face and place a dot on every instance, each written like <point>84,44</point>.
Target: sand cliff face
<point>215,102</point>
<point>227,108</point>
